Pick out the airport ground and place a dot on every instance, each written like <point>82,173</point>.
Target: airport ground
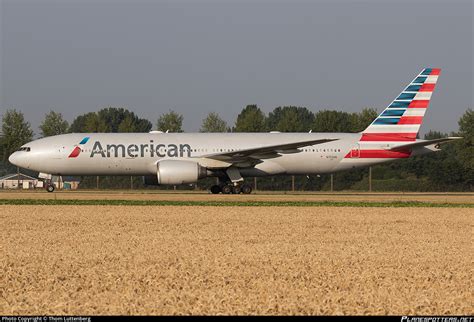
<point>69,259</point>
<point>260,196</point>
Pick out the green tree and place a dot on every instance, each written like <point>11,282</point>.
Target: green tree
<point>95,124</point>
<point>114,117</point>
<point>431,135</point>
<point>251,119</point>
<point>332,121</point>
<point>290,119</point>
<point>2,165</point>
<point>78,125</point>
<point>170,121</point>
<point>127,125</point>
<point>465,147</point>
<point>53,124</point>
<point>213,123</point>
<point>16,132</point>
<point>110,119</point>
<point>360,121</point>
<point>445,170</point>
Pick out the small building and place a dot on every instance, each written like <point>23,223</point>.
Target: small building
<point>11,181</point>
<point>65,182</point>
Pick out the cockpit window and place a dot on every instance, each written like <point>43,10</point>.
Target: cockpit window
<point>25,149</point>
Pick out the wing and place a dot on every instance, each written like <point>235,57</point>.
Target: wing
<point>263,152</point>
<point>422,143</point>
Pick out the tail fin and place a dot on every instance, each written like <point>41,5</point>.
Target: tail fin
<point>402,119</point>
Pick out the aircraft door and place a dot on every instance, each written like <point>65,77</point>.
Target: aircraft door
<point>355,151</point>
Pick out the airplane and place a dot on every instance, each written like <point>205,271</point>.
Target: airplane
<point>184,158</point>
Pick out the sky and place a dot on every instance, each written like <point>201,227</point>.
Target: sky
<point>196,57</point>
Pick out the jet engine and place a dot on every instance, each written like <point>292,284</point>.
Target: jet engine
<point>176,172</point>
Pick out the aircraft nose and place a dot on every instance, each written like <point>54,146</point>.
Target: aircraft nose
<point>13,159</point>
<point>17,159</point>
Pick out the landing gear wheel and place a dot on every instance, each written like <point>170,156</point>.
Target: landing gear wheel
<point>215,189</point>
<point>50,187</point>
<point>227,189</point>
<point>236,190</point>
<point>246,189</point>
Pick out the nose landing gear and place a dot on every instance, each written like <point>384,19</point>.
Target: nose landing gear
<point>50,187</point>
<point>47,180</point>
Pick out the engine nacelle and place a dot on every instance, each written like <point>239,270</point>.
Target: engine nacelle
<point>176,172</point>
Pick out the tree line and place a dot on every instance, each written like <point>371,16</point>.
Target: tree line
<point>450,169</point>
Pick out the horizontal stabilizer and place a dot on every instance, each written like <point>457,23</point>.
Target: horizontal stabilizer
<point>422,143</point>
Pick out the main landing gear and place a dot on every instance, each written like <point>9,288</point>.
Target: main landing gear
<point>227,189</point>
<point>231,181</point>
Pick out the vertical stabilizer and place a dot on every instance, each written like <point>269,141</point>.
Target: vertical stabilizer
<point>402,119</point>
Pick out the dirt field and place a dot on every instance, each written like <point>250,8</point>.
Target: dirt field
<point>235,260</point>
<point>260,196</point>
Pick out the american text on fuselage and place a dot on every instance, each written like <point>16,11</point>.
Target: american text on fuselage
<point>140,150</point>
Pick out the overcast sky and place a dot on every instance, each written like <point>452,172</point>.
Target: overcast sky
<point>76,56</point>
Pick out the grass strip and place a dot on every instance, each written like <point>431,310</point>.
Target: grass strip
<point>213,203</point>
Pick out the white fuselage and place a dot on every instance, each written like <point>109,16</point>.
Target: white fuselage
<point>139,153</point>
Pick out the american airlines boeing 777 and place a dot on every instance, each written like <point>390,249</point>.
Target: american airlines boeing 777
<point>178,158</point>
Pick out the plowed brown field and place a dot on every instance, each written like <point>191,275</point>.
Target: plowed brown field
<point>235,260</point>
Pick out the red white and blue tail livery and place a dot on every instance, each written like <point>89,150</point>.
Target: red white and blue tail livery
<point>402,119</point>
<point>393,134</point>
